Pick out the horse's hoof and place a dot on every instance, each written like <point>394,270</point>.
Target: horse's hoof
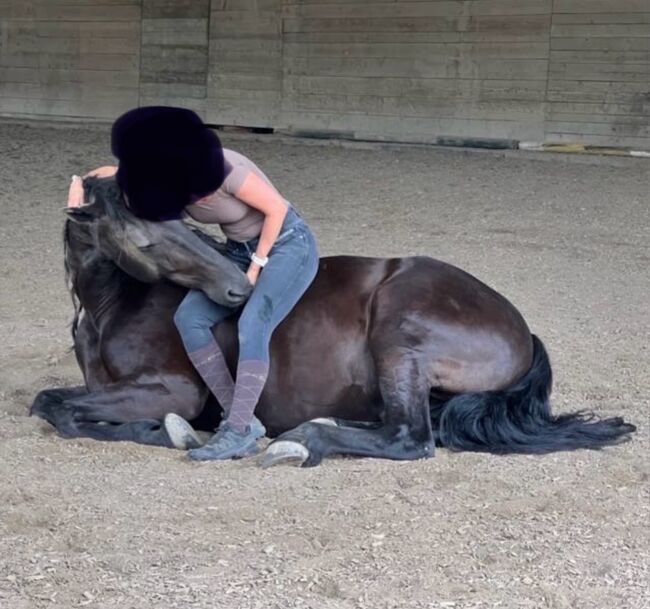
<point>284,451</point>
<point>181,433</point>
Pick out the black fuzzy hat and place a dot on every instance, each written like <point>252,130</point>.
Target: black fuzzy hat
<point>167,158</point>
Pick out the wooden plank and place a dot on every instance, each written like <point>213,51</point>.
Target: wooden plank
<point>419,9</point>
<point>91,61</point>
<point>594,18</point>
<point>46,76</point>
<point>246,46</point>
<point>627,129</point>
<point>515,25</point>
<point>573,117</point>
<point>246,6</point>
<point>597,92</point>
<point>407,37</point>
<point>73,29</point>
<point>603,56</point>
<point>605,108</point>
<point>323,10</point>
<point>192,103</point>
<point>176,9</point>
<point>242,112</point>
<point>242,24</point>
<point>70,45</point>
<point>418,88</point>
<point>179,32</point>
<point>69,91</point>
<point>51,11</point>
<point>407,128</point>
<point>642,143</point>
<point>599,71</point>
<point>246,64</point>
<point>600,6</point>
<point>518,50</point>
<point>66,108</point>
<point>257,97</point>
<point>421,107</point>
<point>601,30</point>
<point>173,90</point>
<point>428,67</point>
<point>599,44</point>
<point>243,83</point>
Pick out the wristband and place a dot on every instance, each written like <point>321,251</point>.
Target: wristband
<point>261,262</point>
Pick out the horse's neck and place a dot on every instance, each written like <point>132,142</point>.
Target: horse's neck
<point>99,285</point>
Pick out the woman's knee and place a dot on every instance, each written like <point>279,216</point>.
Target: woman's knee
<point>184,318</point>
<point>191,320</point>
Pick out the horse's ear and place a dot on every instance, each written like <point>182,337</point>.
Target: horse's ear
<point>121,250</point>
<point>86,213</point>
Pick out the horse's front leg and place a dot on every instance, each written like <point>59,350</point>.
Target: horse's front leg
<point>130,410</point>
<point>405,433</point>
<point>49,402</point>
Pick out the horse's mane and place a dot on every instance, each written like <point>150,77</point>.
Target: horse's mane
<point>108,196</point>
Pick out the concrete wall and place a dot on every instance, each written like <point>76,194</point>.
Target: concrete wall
<point>543,70</point>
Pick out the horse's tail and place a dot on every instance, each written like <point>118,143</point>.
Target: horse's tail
<point>519,420</point>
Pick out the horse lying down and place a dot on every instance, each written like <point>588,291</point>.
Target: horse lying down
<point>381,357</point>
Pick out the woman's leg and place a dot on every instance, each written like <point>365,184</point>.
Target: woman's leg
<point>291,268</point>
<point>194,318</point>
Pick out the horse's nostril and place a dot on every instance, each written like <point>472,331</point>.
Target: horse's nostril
<point>237,296</point>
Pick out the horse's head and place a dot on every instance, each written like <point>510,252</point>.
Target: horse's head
<point>150,251</point>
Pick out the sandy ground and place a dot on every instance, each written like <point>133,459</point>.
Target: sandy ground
<point>118,525</point>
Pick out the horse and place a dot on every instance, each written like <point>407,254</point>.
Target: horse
<point>384,358</point>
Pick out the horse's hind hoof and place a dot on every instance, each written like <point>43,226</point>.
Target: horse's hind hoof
<point>181,433</point>
<point>284,451</point>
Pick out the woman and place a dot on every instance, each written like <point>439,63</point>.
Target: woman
<point>170,163</point>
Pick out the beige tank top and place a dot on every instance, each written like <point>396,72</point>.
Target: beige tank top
<point>238,221</point>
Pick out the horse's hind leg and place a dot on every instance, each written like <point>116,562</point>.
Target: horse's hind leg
<point>405,432</point>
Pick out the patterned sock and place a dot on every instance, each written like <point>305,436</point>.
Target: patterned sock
<point>251,378</point>
<point>211,366</point>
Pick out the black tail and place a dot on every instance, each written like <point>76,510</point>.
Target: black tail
<point>519,419</point>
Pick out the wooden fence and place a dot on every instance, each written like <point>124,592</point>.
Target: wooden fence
<point>540,70</point>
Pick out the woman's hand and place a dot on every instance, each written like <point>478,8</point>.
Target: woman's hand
<point>76,190</point>
<point>253,273</point>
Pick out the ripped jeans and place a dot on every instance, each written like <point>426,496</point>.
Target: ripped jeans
<point>292,266</point>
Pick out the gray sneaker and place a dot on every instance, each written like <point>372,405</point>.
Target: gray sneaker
<point>227,443</point>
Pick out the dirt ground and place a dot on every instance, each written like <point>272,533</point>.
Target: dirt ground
<point>100,525</point>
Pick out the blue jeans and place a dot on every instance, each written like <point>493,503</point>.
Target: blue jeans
<point>292,266</point>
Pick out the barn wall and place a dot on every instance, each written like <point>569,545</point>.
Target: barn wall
<point>78,58</point>
<point>245,71</point>
<point>599,73</point>
<point>414,70</point>
<point>174,53</point>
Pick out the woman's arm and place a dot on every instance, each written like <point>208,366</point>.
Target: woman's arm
<point>257,193</point>
<point>76,190</point>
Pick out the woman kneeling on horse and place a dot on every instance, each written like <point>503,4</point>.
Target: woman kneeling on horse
<point>170,163</point>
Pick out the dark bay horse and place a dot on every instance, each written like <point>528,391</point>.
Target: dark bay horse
<point>380,358</point>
